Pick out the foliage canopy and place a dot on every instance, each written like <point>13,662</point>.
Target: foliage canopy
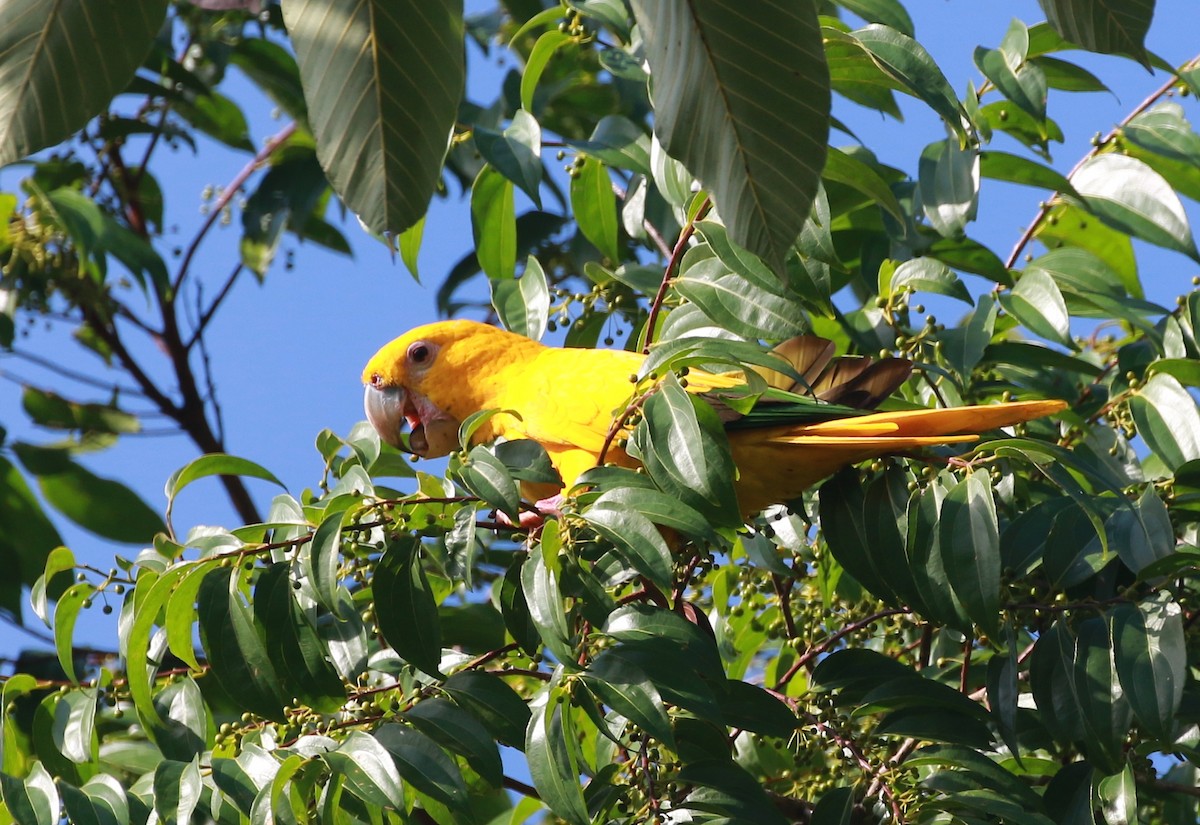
<point>1001,634</point>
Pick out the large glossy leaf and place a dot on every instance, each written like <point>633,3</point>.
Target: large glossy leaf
<point>423,764</point>
<point>1108,26</point>
<point>742,99</point>
<point>683,446</point>
<point>1167,419</point>
<point>406,607</point>
<point>456,729</point>
<point>949,178</point>
<point>62,61</point>
<point>970,547</point>
<point>493,702</point>
<point>1151,661</point>
<point>382,81</point>
<point>554,759</point>
<point>1131,197</point>
<point>735,304</point>
<point>1039,305</point>
<point>912,67</point>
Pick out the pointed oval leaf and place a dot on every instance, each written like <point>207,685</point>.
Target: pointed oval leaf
<point>494,222</point>
<point>1039,305</point>
<point>458,730</point>
<point>909,64</point>
<point>424,765</point>
<point>383,82</point>
<point>636,540</point>
<point>949,179</point>
<point>523,305</point>
<point>1167,419</point>
<point>515,153</point>
<point>595,206</point>
<point>969,541</point>
<point>616,680</point>
<point>743,101</point>
<point>1151,661</point>
<point>405,606</point>
<point>553,755</point>
<point>1131,197</point>
<point>493,702</point>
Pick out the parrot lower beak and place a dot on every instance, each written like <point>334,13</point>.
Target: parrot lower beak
<point>388,409</point>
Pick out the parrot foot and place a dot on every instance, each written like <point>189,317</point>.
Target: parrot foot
<point>533,519</point>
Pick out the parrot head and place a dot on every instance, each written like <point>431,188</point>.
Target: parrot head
<point>430,379</point>
<point>400,379</point>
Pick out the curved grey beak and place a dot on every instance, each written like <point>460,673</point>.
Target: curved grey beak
<point>385,411</point>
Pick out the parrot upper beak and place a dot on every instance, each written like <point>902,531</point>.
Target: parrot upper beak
<point>388,410</point>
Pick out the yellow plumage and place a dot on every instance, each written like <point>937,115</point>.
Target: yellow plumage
<point>435,376</point>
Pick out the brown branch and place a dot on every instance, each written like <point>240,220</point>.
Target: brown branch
<point>672,265</point>
<point>818,649</point>
<point>1046,206</point>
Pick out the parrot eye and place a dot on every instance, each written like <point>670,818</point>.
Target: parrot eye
<point>420,353</point>
<point>376,380</point>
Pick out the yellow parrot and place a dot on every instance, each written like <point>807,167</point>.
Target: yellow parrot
<point>435,376</point>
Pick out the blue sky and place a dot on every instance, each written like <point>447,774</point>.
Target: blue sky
<point>287,354</point>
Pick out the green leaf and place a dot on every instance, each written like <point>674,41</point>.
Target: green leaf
<point>51,410</point>
<point>211,465</point>
<point>620,143</point>
<point>456,729</point>
<point>1118,797</point>
<point>424,765</point>
<point>888,12</point>
<point>924,275</point>
<point>33,800</point>
<point>1022,83</point>
<point>405,606</point>
<point>369,771</point>
<point>217,116</point>
<point>1067,76</point>
<point>545,47</point>
<point>969,541</point>
<point>1104,712</point>
<point>949,180</point>
<point>849,170</point>
<point>515,153</point>
<point>410,246</point>
<point>1070,226</point>
<point>750,707</point>
<point>635,624</point>
<point>729,791</point>
<point>737,305</point>
<point>494,222</point>
<point>29,538</point>
<point>964,345</point>
<point>1106,26</point>
<point>1151,661</point>
<point>683,446</point>
<point>595,206</point>
<point>1038,304</point>
<point>176,791</point>
<point>540,583</point>
<point>834,807</point>
<point>61,64</point>
<point>911,66</point>
<point>493,702</point>
<point>752,129</point>
<point>523,305</point>
<point>1167,419</point>
<point>659,507</point>
<point>66,613</point>
<point>616,680</point>
<point>1017,169</point>
<point>553,757</point>
<point>1165,141</point>
<point>100,505</point>
<point>381,119</point>
<point>234,645</point>
<point>636,540</point>
<point>1131,197</point>
<point>292,642</point>
<point>486,477</point>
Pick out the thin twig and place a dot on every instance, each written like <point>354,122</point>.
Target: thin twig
<point>818,649</point>
<point>207,314</point>
<point>685,235</point>
<point>66,372</point>
<point>234,186</point>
